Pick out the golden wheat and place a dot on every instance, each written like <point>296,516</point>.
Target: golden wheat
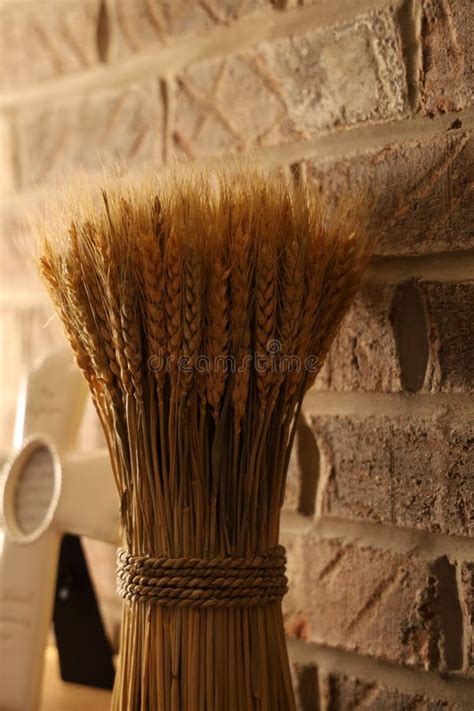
<point>228,274</point>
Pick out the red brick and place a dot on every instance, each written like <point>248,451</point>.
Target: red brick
<point>81,133</point>
<point>293,481</point>
<point>305,679</point>
<point>467,603</point>
<point>297,620</point>
<point>341,693</point>
<point>140,24</point>
<point>303,471</point>
<point>411,337</point>
<point>451,309</point>
<point>291,88</point>
<point>364,354</point>
<point>41,41</point>
<point>423,189</point>
<point>447,51</point>
<point>403,471</point>
<point>321,691</point>
<point>375,602</point>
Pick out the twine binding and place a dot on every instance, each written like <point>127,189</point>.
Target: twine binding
<point>203,582</point>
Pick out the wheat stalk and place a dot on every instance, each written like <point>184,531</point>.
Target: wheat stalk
<point>240,321</point>
<point>51,274</point>
<point>217,332</point>
<point>106,237</point>
<point>192,312</point>
<point>265,314</point>
<point>174,297</point>
<point>216,266</point>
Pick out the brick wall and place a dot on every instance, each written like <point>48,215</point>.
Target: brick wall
<point>379,515</point>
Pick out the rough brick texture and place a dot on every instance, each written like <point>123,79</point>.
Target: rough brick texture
<point>423,196</point>
<point>447,49</point>
<point>451,309</point>
<point>318,691</point>
<point>303,471</point>
<point>395,611</point>
<point>467,602</point>
<point>82,133</point>
<point>141,81</point>
<point>407,337</point>
<point>366,345</point>
<point>402,471</point>
<point>341,693</point>
<point>139,25</point>
<point>291,88</point>
<point>45,41</point>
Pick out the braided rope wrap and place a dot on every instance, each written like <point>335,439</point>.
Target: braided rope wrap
<point>203,582</point>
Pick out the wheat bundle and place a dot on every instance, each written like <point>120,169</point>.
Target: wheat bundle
<point>200,309</point>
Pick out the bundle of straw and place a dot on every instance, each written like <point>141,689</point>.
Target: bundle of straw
<point>200,310</point>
